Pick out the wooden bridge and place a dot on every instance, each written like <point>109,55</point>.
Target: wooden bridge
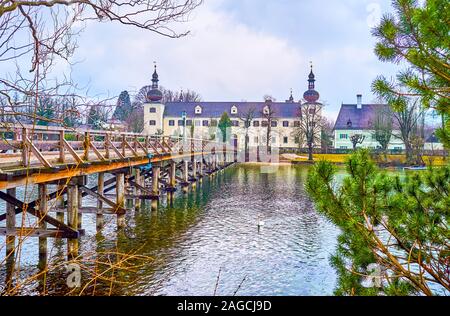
<point>143,168</point>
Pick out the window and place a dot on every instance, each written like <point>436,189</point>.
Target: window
<point>188,122</point>
<point>198,123</point>
<point>297,124</point>
<point>255,123</point>
<point>152,110</point>
<point>312,111</point>
<point>171,123</point>
<point>274,140</point>
<point>265,124</point>
<point>247,124</point>
<point>180,123</point>
<point>235,123</point>
<point>343,147</point>
<point>343,136</point>
<point>152,123</point>
<point>205,123</point>
<point>285,123</point>
<point>234,109</point>
<point>297,139</point>
<point>285,140</point>
<point>213,123</point>
<point>274,124</point>
<point>198,110</point>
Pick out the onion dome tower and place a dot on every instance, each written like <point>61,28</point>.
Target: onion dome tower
<point>154,95</point>
<point>311,95</point>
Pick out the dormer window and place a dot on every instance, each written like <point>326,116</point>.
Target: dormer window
<point>234,109</point>
<point>349,123</point>
<point>266,110</point>
<point>198,110</point>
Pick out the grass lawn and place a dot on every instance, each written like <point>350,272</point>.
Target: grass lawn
<point>340,158</point>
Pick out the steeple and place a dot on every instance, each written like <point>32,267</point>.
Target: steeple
<point>311,79</point>
<point>155,79</point>
<point>291,98</point>
<point>154,95</point>
<point>181,96</point>
<point>311,95</point>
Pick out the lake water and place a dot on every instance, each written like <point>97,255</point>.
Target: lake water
<point>214,228</point>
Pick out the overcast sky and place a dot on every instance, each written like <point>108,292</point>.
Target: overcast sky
<point>243,50</point>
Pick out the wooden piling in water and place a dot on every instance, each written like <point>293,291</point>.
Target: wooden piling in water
<point>194,170</point>
<point>201,168</point>
<point>185,184</point>
<point>172,176</point>
<point>138,179</point>
<point>43,209</point>
<point>10,225</point>
<point>72,218</point>
<point>155,179</point>
<point>60,204</point>
<point>100,189</point>
<point>120,198</point>
<point>80,205</point>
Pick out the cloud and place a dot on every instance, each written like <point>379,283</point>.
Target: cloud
<point>242,50</point>
<point>222,59</point>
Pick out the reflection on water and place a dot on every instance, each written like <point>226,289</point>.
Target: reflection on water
<point>213,228</point>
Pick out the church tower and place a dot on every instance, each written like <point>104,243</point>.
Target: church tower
<point>154,109</point>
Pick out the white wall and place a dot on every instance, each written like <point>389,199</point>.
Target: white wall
<point>369,141</point>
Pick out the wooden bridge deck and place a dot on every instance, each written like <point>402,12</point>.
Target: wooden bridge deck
<point>29,157</point>
<point>35,155</point>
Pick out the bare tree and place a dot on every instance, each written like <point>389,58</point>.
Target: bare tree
<point>135,121</point>
<point>382,128</point>
<point>247,117</point>
<point>357,139</point>
<point>268,114</point>
<point>412,135</point>
<point>168,95</point>
<point>310,125</point>
<point>37,35</point>
<point>326,136</point>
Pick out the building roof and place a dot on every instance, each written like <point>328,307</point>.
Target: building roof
<point>360,119</point>
<point>433,139</point>
<point>216,109</point>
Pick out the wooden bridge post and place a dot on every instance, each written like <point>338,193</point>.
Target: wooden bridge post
<point>120,198</point>
<point>80,205</point>
<point>60,204</point>
<point>10,225</point>
<point>200,169</point>
<point>62,157</point>
<point>43,209</point>
<point>185,183</point>
<point>172,175</point>
<point>129,190</point>
<point>155,178</point>
<point>156,170</point>
<point>100,189</point>
<point>107,154</point>
<point>194,170</point>
<point>72,218</point>
<point>25,148</point>
<point>137,203</point>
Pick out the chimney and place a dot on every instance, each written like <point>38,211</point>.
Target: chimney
<point>359,101</point>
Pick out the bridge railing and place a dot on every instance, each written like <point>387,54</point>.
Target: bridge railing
<point>50,144</point>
